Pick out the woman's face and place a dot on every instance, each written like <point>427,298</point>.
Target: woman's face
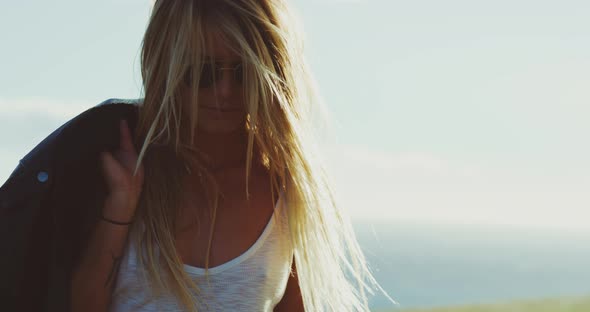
<point>221,104</point>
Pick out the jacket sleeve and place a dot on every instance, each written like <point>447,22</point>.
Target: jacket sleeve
<point>21,200</point>
<point>48,207</point>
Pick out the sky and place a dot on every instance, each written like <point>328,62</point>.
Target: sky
<point>446,111</point>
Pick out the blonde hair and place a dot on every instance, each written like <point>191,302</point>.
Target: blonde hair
<point>281,100</point>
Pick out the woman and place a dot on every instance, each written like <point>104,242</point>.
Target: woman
<point>224,206</point>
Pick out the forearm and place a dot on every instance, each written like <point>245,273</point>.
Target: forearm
<point>93,279</point>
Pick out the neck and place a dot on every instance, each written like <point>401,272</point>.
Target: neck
<point>223,150</point>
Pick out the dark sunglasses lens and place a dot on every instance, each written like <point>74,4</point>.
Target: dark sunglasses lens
<point>207,74</point>
<point>239,73</point>
<point>188,76</point>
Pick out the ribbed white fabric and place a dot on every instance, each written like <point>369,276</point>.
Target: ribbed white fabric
<point>254,281</point>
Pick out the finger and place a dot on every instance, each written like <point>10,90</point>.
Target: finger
<point>126,140</point>
<point>128,161</point>
<point>113,171</point>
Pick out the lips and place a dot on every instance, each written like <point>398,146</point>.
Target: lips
<point>222,109</point>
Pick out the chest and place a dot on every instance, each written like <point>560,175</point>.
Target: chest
<point>238,224</point>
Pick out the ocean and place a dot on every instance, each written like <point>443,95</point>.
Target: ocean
<point>429,265</point>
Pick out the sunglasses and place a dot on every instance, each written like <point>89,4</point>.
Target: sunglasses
<point>212,73</point>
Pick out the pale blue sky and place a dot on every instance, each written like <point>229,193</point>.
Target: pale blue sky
<point>448,111</point>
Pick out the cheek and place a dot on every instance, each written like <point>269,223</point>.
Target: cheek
<point>206,99</point>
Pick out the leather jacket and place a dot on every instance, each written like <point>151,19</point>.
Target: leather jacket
<point>50,204</point>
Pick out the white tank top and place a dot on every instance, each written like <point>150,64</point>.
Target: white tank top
<point>254,281</point>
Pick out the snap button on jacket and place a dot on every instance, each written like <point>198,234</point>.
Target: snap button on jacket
<point>50,204</point>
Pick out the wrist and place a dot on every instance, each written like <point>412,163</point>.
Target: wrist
<point>116,222</point>
<point>115,212</point>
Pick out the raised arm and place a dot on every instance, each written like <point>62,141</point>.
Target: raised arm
<point>94,277</point>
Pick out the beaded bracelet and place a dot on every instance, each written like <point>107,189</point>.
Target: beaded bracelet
<point>116,222</point>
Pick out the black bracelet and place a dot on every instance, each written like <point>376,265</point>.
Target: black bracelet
<point>116,222</point>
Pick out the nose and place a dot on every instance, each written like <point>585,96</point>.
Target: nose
<point>226,85</point>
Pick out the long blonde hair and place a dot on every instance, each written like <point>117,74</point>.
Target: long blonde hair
<point>281,101</point>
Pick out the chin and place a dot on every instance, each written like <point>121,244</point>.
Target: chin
<point>220,128</point>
